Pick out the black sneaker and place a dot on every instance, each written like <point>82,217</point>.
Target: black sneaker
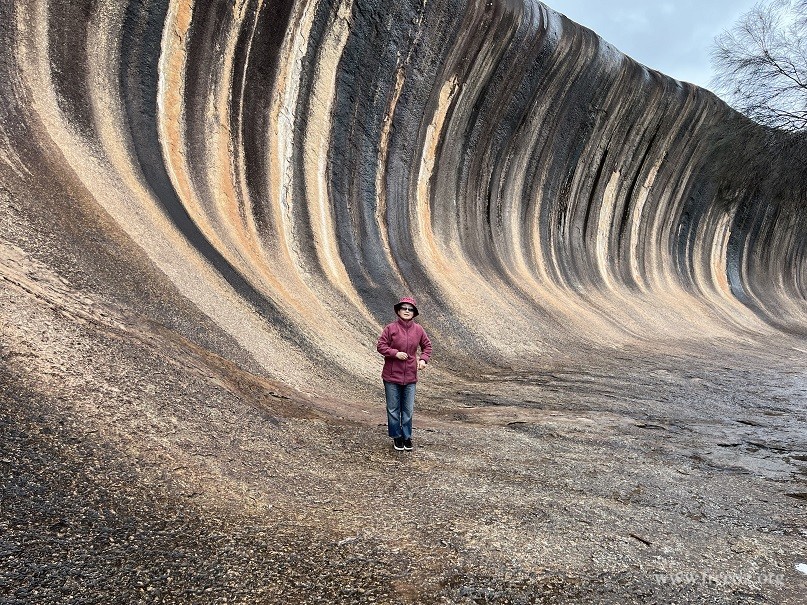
<point>398,442</point>
<point>407,444</point>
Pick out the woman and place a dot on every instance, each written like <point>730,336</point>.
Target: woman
<point>398,343</point>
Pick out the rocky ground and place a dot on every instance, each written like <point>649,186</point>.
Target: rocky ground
<point>139,467</point>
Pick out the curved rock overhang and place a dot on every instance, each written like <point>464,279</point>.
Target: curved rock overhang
<point>288,169</point>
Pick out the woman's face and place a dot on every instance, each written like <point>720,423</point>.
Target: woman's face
<point>406,312</point>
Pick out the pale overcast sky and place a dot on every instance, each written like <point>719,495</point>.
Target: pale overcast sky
<point>671,37</point>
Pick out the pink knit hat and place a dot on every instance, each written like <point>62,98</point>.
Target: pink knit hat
<point>407,300</point>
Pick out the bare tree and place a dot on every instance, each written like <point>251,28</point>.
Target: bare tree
<point>761,64</point>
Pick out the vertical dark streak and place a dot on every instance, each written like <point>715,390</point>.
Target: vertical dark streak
<point>140,55</point>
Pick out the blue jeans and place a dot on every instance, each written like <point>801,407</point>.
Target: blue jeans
<point>400,407</point>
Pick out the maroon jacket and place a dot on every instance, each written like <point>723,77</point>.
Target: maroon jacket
<point>403,336</point>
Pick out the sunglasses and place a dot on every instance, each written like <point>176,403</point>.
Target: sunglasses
<point>410,309</point>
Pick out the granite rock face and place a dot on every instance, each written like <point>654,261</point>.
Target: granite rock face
<point>207,211</point>
<point>292,167</point>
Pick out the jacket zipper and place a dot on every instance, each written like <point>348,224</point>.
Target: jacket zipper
<point>406,364</point>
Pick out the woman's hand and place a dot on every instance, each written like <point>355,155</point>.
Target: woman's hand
<point>401,355</point>
<point>421,364</point>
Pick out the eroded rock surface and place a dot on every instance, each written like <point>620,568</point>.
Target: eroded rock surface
<point>206,212</point>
